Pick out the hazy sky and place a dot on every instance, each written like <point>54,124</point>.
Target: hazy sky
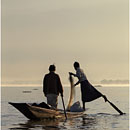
<point>37,33</point>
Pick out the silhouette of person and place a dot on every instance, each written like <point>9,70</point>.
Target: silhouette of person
<point>52,87</point>
<point>88,92</point>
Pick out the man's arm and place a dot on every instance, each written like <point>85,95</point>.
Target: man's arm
<point>44,86</point>
<point>60,87</point>
<point>73,74</point>
<point>77,83</point>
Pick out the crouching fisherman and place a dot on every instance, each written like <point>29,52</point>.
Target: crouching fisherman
<point>52,87</point>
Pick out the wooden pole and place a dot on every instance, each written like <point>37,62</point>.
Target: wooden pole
<point>121,113</point>
<point>64,107</point>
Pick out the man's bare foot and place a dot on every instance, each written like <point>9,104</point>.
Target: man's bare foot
<point>105,98</point>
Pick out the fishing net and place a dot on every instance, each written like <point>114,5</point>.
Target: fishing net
<point>72,92</point>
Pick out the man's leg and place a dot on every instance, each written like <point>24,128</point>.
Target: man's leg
<point>105,98</point>
<point>84,105</point>
<point>52,100</point>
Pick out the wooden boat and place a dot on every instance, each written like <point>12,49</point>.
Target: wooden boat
<point>37,113</point>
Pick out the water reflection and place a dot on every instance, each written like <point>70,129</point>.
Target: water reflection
<point>43,124</point>
<point>88,122</point>
<point>93,120</point>
<point>84,122</point>
<point>100,121</point>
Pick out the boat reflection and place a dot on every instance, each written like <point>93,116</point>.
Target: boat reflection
<point>41,124</point>
<point>84,122</point>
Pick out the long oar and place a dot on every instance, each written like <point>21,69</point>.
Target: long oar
<point>121,113</point>
<point>64,107</point>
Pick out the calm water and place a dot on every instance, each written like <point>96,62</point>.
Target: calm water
<point>98,116</point>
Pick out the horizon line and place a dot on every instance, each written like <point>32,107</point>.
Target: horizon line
<point>64,85</point>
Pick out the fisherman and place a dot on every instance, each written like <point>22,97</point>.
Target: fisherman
<point>52,87</point>
<point>88,92</point>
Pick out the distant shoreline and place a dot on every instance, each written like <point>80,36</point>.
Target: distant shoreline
<point>64,85</point>
<point>117,81</point>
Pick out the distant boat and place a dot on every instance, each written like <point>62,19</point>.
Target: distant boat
<point>27,91</point>
<point>35,89</point>
<point>98,86</point>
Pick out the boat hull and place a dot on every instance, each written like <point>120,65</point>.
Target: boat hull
<point>38,113</point>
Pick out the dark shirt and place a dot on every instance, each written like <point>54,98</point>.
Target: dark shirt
<point>52,84</point>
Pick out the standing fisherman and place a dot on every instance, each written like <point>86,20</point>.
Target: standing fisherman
<point>52,87</point>
<point>88,92</point>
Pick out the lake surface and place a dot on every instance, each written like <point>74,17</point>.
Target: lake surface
<point>98,116</point>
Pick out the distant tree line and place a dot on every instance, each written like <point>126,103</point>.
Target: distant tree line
<point>105,81</point>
